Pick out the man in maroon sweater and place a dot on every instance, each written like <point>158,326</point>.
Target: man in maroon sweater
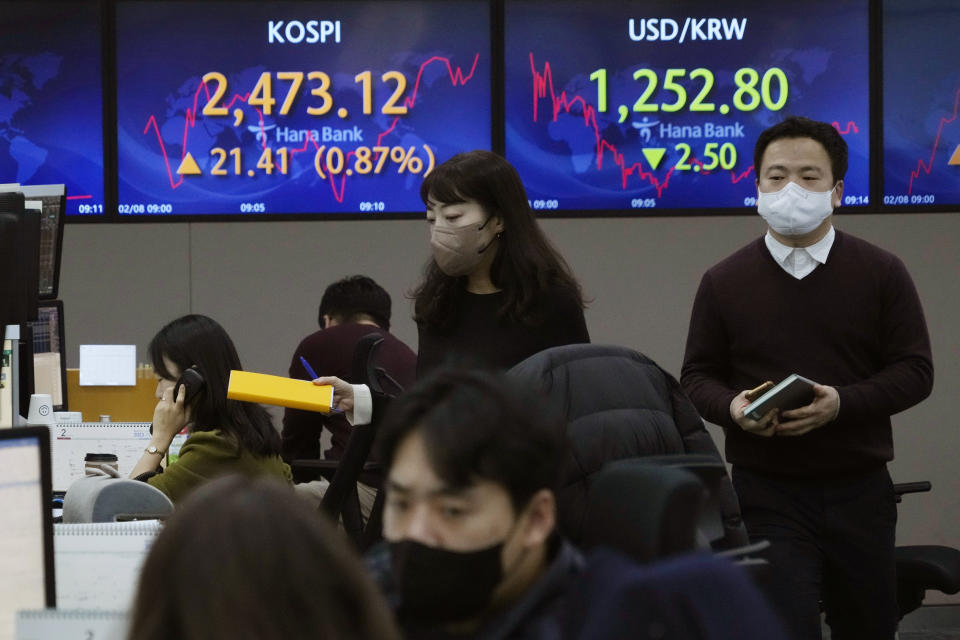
<point>349,309</point>
<point>809,299</point>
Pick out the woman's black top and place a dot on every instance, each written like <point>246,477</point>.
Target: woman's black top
<point>479,337</point>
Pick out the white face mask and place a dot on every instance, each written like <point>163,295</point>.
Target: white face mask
<point>793,210</point>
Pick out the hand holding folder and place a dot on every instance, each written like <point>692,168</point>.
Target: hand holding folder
<point>277,390</point>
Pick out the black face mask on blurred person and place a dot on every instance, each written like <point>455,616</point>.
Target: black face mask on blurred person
<point>439,586</point>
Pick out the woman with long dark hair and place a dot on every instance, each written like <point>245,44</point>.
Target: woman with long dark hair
<point>495,290</point>
<point>225,436</point>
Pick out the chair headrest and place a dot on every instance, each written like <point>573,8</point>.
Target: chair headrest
<point>102,498</point>
<point>646,511</point>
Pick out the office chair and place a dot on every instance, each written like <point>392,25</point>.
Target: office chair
<point>672,590</point>
<point>660,519</point>
<point>341,500</point>
<point>923,567</point>
<point>619,404</point>
<point>107,499</point>
<point>711,472</point>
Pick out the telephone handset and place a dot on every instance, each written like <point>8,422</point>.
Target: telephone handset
<point>191,381</point>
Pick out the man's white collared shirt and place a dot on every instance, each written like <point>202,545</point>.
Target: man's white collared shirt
<point>800,262</point>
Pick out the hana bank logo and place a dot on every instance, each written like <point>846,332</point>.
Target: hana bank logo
<point>260,132</point>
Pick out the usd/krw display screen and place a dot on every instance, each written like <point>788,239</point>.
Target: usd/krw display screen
<point>657,105</point>
<point>51,97</point>
<point>921,99</point>
<point>295,107</point>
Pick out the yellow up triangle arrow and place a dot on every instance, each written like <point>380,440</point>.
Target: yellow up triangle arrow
<point>654,156</point>
<point>955,158</point>
<point>188,166</point>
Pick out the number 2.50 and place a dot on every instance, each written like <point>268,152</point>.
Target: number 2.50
<point>725,159</point>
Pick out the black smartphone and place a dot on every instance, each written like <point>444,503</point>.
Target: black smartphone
<point>191,381</point>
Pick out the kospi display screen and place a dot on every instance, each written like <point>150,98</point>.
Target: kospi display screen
<point>921,99</point>
<point>657,105</point>
<point>51,97</point>
<point>295,107</point>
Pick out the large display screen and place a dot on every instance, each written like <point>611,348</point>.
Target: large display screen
<point>921,100</point>
<point>657,104</point>
<point>51,97</point>
<point>295,107</point>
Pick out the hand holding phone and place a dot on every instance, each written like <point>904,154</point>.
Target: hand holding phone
<point>191,381</point>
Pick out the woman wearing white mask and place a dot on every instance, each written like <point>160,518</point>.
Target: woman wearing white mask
<point>495,290</point>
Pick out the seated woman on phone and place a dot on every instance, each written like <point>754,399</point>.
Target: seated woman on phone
<point>193,357</point>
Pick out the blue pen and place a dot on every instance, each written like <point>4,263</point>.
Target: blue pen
<point>313,375</point>
<point>310,372</point>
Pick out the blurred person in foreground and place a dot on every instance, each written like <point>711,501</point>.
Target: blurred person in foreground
<point>472,548</point>
<point>246,559</point>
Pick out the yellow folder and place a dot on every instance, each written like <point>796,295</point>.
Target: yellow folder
<point>280,391</point>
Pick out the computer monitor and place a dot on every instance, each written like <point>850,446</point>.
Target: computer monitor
<point>53,202</point>
<point>24,385</point>
<point>19,259</point>
<point>26,533</point>
<point>610,107</point>
<point>358,120</point>
<point>50,353</point>
<point>53,102</point>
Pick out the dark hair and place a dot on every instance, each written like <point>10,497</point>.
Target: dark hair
<point>196,340</point>
<point>349,298</point>
<point>526,264</point>
<point>800,127</point>
<point>248,558</point>
<point>479,425</point>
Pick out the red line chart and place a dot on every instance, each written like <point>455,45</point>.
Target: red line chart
<point>927,167</point>
<point>850,128</point>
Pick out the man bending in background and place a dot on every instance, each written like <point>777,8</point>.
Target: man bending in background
<point>349,309</point>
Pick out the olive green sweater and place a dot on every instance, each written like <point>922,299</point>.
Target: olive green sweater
<point>208,454</point>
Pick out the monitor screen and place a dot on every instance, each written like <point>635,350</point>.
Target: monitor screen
<point>26,537</point>
<point>51,97</point>
<point>921,100</point>
<point>230,108</point>
<point>19,258</point>
<point>49,353</point>
<point>51,200</point>
<point>656,106</point>
<point>13,305</point>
